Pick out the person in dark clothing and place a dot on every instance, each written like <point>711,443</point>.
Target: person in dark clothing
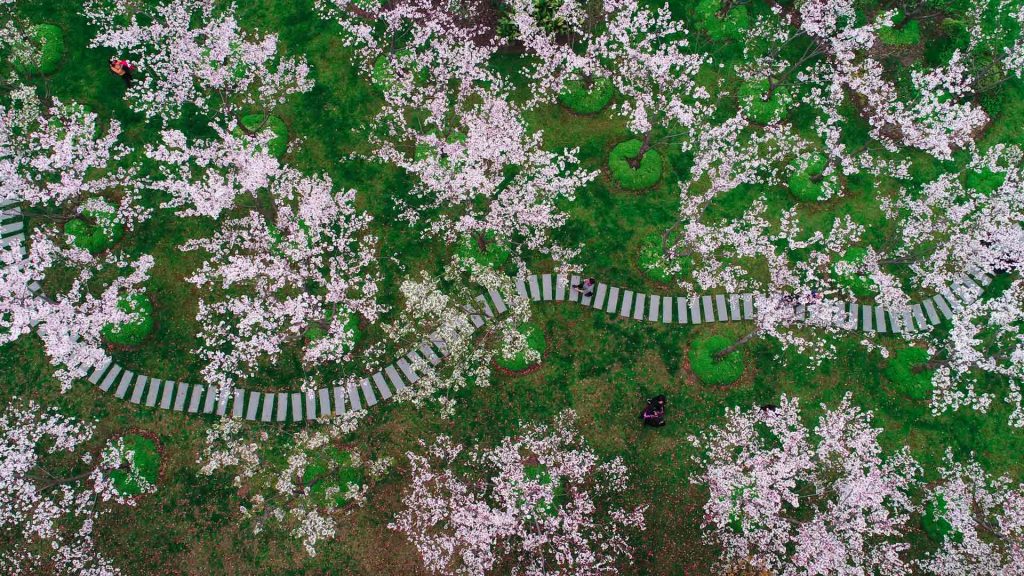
<point>586,287</point>
<point>654,413</point>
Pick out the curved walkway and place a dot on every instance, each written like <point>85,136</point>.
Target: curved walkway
<point>409,367</point>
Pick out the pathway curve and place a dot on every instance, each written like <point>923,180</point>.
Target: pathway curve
<point>374,389</point>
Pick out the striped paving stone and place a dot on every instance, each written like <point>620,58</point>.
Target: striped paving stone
<point>561,283</point>
<point>140,387</point>
<point>908,320</point>
<point>654,308</point>
<point>853,313</point>
<point>720,309</point>
<point>325,402</point>
<point>353,397</point>
<point>439,343</point>
<point>950,299</point>
<point>613,300</point>
<point>982,278</point>
<point>681,308</point>
<point>338,393</point>
<point>929,308</point>
<point>395,379</point>
<point>639,307</point>
<point>368,395</point>
<point>382,385</point>
<point>585,299</point>
<point>168,395</point>
<point>534,287</point>
<point>222,403</point>
<point>111,376</point>
<point>254,404</point>
<point>895,321</point>
<point>499,303</point>
<point>197,393</point>
<point>880,319</point>
<point>799,311</point>
<point>485,306</point>
<point>599,294</point>
<point>267,414</point>
<point>666,309</point>
<point>475,319</point>
<point>521,288</point>
<point>546,291</point>
<point>122,386</point>
<point>310,399</point>
<point>154,389</point>
<point>574,295</point>
<point>748,306</point>
<point>296,406</point>
<point>182,393</point>
<point>627,303</point>
<point>429,354</point>
<point>918,313</point>
<point>734,307</point>
<point>97,373</point>
<point>867,314</point>
<point>210,403</point>
<point>237,403</point>
<point>695,310</point>
<point>709,313</point>
<point>282,407</point>
<point>407,370</point>
<point>7,229</point>
<point>943,306</point>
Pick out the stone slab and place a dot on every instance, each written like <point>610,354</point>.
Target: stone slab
<point>627,303</point>
<point>599,294</point>
<point>282,407</point>
<point>880,319</point>
<point>182,394</point>
<point>254,404</point>
<point>325,402</point>
<point>943,306</point>
<point>407,371</point>
<point>97,373</point>
<point>695,310</point>
<point>382,385</point>
<point>613,300</point>
<point>709,314</point>
<point>499,303</point>
<point>561,283</point>
<point>521,288</point>
<point>296,406</point>
<point>748,306</point>
<point>485,306</point>
<point>111,376</point>
<point>122,385</point>
<point>395,379</point>
<point>154,389</point>
<point>918,312</point>
<point>197,394</point>
<point>720,308</point>
<point>546,291</point>
<point>353,397</point>
<point>639,307</point>
<point>338,393</point>
<point>267,414</point>
<point>933,315</point>
<point>574,294</point>
<point>140,387</point>
<point>666,309</point>
<point>867,314</point>
<point>681,309</point>
<point>211,399</point>
<point>534,287</point>
<point>368,396</point>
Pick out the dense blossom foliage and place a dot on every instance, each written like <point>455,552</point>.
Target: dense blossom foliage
<point>540,502</point>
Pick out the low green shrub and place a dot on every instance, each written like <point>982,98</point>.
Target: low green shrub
<point>732,26</point>
<point>534,340</point>
<point>858,283</point>
<point>710,370</point>
<point>807,184</point>
<point>279,143</point>
<point>147,462</point>
<point>99,235</point>
<point>985,182</point>
<point>131,333</point>
<point>906,372</point>
<point>934,523</point>
<point>645,175</point>
<point>50,39</point>
<point>582,99</point>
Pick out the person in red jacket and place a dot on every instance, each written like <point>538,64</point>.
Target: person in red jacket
<point>122,68</point>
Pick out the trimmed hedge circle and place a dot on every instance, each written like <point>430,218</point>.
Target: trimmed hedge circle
<point>645,175</point>
<point>756,108</point>
<point>806,185</point>
<point>583,100</point>
<point>534,340</point>
<point>131,333</point>
<point>277,145</point>
<point>147,461</point>
<point>99,236</point>
<point>861,285</point>
<point>708,369</point>
<point>651,260</point>
<point>51,39</point>
<point>905,373</point>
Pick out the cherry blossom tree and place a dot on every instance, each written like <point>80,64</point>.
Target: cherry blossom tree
<point>268,282</point>
<point>983,523</point>
<point>791,501</point>
<point>190,51</point>
<point>439,307</point>
<point>51,495</point>
<point>303,483</point>
<point>206,177</point>
<point>541,502</point>
<point>68,318</point>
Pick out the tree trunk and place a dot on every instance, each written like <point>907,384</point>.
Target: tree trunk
<point>721,354</point>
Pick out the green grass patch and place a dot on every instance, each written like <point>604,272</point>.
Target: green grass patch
<point>587,99</point>
<point>48,40</point>
<point>131,333</point>
<point>96,230</point>
<point>908,373</point>
<point>147,461</point>
<point>277,145</point>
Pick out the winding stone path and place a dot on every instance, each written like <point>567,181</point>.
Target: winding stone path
<point>409,367</point>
